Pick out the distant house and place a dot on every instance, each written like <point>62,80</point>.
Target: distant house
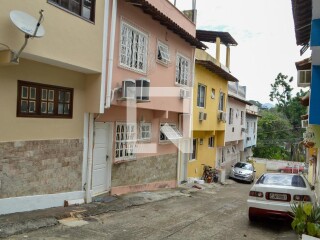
<point>209,103</point>
<point>235,127</point>
<point>250,129</point>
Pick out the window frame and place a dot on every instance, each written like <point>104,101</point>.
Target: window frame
<point>131,141</point>
<point>135,30</point>
<point>211,142</point>
<point>163,61</point>
<point>92,13</point>
<point>194,148</point>
<point>221,101</point>
<point>182,80</point>
<point>148,124</point>
<point>166,140</point>
<point>230,116</point>
<point>199,97</point>
<point>39,100</point>
<point>242,118</point>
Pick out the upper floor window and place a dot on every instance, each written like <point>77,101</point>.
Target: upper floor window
<point>242,117</point>
<point>231,116</point>
<point>133,48</point>
<point>40,100</point>
<point>182,70</point>
<point>201,95</point>
<point>82,8</point>
<point>221,101</point>
<point>163,54</point>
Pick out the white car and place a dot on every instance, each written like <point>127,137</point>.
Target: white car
<point>243,171</point>
<point>272,194</point>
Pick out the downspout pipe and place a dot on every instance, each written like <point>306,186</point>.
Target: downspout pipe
<point>111,52</point>
<point>104,55</point>
<point>88,197</point>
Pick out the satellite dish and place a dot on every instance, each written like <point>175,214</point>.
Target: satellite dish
<point>27,24</point>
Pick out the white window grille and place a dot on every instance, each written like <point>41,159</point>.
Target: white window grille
<point>182,70</point>
<point>201,95</point>
<point>133,48</point>
<point>145,131</point>
<point>126,137</point>
<point>169,132</point>
<point>163,53</point>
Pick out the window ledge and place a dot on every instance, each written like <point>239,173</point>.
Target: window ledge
<point>124,160</point>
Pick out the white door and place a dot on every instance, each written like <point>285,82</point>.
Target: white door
<point>102,158</point>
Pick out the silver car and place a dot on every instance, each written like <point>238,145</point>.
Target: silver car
<point>243,171</point>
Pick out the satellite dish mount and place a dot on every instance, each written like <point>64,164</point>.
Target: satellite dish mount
<point>29,26</point>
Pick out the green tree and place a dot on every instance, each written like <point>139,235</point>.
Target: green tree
<point>281,90</point>
<point>274,131</point>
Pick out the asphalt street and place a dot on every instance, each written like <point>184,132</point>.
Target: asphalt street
<point>214,213</point>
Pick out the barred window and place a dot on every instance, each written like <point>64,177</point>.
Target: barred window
<point>126,138</point>
<point>133,48</point>
<point>182,70</point>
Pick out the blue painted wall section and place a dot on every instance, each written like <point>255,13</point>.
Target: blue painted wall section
<point>314,108</point>
<point>315,33</point>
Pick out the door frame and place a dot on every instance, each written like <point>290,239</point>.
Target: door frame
<point>109,153</point>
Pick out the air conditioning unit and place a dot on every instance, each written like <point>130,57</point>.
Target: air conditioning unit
<point>128,89</point>
<point>222,116</point>
<point>304,123</point>
<point>202,116</point>
<point>184,93</point>
<point>142,90</point>
<point>304,78</point>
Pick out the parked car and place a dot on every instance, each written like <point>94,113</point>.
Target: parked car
<point>243,171</point>
<point>272,194</point>
<point>292,169</point>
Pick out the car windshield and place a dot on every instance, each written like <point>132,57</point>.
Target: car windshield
<point>243,166</point>
<point>282,180</point>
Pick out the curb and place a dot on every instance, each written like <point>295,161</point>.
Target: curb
<point>26,226</point>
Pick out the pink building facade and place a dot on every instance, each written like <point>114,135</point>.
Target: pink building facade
<point>151,59</point>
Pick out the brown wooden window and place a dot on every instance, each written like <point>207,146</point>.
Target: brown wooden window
<point>40,100</point>
<point>82,8</point>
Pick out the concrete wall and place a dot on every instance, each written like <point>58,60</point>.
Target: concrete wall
<point>40,167</point>
<point>274,165</point>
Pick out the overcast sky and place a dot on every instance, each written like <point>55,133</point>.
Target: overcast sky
<point>266,41</point>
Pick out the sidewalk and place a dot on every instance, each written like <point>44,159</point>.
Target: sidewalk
<point>18,223</point>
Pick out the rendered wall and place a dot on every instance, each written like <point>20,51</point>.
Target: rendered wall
<point>14,128</point>
<point>72,40</point>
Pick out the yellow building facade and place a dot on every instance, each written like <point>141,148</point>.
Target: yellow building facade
<point>209,98</point>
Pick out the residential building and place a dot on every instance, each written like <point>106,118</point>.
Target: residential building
<point>250,129</point>
<point>47,95</point>
<point>236,123</point>
<point>306,15</point>
<point>209,102</point>
<point>150,68</point>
